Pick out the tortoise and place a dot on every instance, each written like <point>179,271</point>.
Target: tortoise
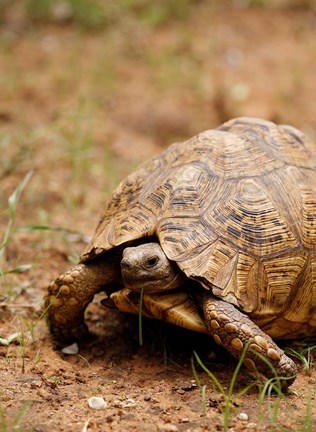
<point>219,233</point>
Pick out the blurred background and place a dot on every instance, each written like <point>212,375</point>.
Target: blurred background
<point>92,88</point>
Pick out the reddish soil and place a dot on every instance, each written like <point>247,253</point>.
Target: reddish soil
<point>81,110</point>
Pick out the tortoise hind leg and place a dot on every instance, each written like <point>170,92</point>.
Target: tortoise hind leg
<point>235,331</point>
<point>69,295</point>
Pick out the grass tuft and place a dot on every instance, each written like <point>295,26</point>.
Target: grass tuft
<point>12,206</point>
<point>227,395</point>
<point>305,355</point>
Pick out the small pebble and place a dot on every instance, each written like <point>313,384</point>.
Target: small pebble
<point>36,384</point>
<point>71,349</point>
<point>243,416</point>
<point>128,403</point>
<point>168,427</point>
<point>147,397</point>
<point>97,403</point>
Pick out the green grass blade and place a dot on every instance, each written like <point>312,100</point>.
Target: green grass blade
<point>25,407</point>
<point>15,196</point>
<point>20,269</point>
<point>140,317</point>
<point>209,373</point>
<point>236,371</point>
<point>12,205</point>
<point>200,387</point>
<point>28,228</point>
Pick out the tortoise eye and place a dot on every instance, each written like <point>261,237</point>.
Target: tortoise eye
<point>152,261</point>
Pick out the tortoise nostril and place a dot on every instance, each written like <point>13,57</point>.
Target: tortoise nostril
<point>126,264</point>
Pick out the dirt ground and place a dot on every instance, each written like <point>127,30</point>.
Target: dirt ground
<point>79,110</point>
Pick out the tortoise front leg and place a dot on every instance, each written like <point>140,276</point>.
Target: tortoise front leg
<point>235,331</point>
<point>69,295</point>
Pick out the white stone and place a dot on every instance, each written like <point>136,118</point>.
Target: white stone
<point>243,416</point>
<point>71,349</point>
<point>97,403</point>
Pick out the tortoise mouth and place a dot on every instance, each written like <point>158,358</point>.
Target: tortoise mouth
<point>149,288</point>
<point>154,285</point>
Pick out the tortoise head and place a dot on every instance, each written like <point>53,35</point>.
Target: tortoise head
<point>147,267</point>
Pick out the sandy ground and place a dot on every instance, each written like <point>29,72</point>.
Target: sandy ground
<point>81,110</point>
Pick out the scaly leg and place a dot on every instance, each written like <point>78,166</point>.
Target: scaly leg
<point>234,331</point>
<point>70,294</point>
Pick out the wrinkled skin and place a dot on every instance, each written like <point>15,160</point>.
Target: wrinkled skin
<point>147,267</point>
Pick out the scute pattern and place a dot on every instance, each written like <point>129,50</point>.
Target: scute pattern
<point>309,217</point>
<point>183,238</point>
<point>224,155</point>
<point>191,189</point>
<point>283,143</point>
<point>242,284</point>
<point>126,195</point>
<point>281,275</point>
<point>250,219</point>
<point>235,208</point>
<point>303,302</point>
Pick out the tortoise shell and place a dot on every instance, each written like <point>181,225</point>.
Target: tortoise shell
<point>235,208</point>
